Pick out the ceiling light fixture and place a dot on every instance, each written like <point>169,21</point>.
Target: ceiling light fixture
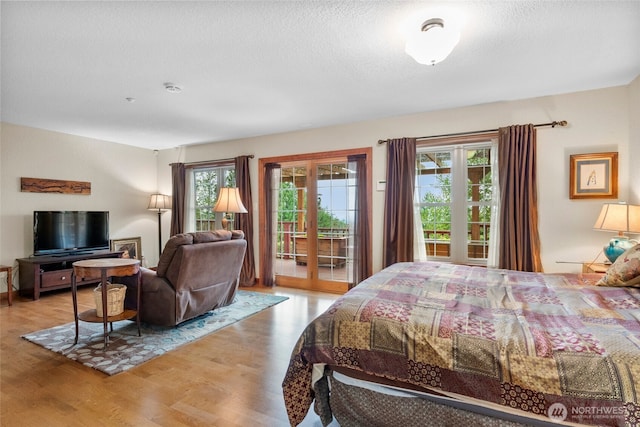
<point>433,43</point>
<point>172,88</point>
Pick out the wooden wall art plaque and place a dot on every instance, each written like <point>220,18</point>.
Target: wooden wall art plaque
<point>39,185</point>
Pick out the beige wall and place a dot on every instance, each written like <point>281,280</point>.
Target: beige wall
<point>122,177</point>
<point>598,121</point>
<point>634,141</point>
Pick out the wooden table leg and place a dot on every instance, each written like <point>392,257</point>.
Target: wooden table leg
<point>103,287</point>
<point>8,269</point>
<point>138,301</point>
<point>9,286</point>
<point>74,296</point>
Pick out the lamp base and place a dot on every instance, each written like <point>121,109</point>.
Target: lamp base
<point>617,246</point>
<point>225,222</point>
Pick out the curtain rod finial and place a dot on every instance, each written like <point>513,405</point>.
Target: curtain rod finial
<point>560,123</point>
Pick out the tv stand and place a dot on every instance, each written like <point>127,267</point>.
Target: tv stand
<point>45,273</point>
<point>68,254</point>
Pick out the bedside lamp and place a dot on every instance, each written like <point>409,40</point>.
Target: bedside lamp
<point>159,202</point>
<point>229,202</point>
<point>622,218</point>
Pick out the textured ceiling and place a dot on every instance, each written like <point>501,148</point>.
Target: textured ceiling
<point>256,68</point>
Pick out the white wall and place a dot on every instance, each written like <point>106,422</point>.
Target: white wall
<point>598,121</point>
<point>121,177</point>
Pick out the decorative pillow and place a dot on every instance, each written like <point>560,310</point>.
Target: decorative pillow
<point>625,271</point>
<point>170,250</point>
<point>211,236</point>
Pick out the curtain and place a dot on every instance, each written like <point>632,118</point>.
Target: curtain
<point>494,223</point>
<point>362,267</point>
<point>267,272</point>
<point>398,201</point>
<point>520,243</point>
<point>179,192</point>
<point>245,221</point>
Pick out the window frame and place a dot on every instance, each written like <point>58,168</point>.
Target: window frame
<point>459,239</point>
<point>221,177</point>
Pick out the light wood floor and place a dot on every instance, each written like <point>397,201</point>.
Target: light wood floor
<point>230,378</point>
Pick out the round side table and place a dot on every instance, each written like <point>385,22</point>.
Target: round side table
<point>103,269</point>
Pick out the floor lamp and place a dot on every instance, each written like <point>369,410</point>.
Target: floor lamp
<point>229,202</point>
<point>161,203</point>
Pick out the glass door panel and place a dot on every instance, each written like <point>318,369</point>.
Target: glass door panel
<point>335,221</point>
<point>314,230</point>
<point>291,245</point>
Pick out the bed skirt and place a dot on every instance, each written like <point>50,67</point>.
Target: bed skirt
<point>355,403</point>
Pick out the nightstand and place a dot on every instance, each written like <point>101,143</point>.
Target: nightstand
<point>596,267</point>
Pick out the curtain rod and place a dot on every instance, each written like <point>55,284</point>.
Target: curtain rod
<point>204,162</point>
<point>552,124</point>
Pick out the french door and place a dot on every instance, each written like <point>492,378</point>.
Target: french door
<point>313,233</point>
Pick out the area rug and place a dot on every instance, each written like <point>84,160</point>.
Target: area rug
<point>126,349</point>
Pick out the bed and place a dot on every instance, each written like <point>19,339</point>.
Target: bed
<point>447,344</point>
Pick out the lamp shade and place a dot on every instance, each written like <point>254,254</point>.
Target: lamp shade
<point>621,218</point>
<point>229,201</point>
<point>160,202</point>
<point>432,43</point>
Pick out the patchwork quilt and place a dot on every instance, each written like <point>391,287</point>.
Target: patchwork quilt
<point>554,346</point>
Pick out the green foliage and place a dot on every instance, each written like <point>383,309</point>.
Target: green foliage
<point>288,208</point>
<point>328,220</point>
<point>206,190</point>
<point>287,202</point>
<point>437,215</point>
<point>229,177</point>
<point>206,187</point>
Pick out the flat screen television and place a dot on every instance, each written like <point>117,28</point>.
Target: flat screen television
<point>67,232</point>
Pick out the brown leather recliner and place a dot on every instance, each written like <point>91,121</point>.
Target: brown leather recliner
<point>197,272</point>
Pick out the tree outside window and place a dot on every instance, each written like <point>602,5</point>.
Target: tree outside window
<point>207,183</point>
<point>451,181</point>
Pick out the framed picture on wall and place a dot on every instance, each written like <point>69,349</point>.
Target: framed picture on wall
<point>593,176</point>
<point>130,247</point>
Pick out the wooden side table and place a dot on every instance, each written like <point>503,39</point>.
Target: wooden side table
<point>102,269</point>
<point>9,270</point>
<point>595,267</point>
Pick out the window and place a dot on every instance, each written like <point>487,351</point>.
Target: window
<point>455,190</point>
<point>206,182</point>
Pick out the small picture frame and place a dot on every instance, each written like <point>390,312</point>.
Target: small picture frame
<point>130,247</point>
<point>593,176</point>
